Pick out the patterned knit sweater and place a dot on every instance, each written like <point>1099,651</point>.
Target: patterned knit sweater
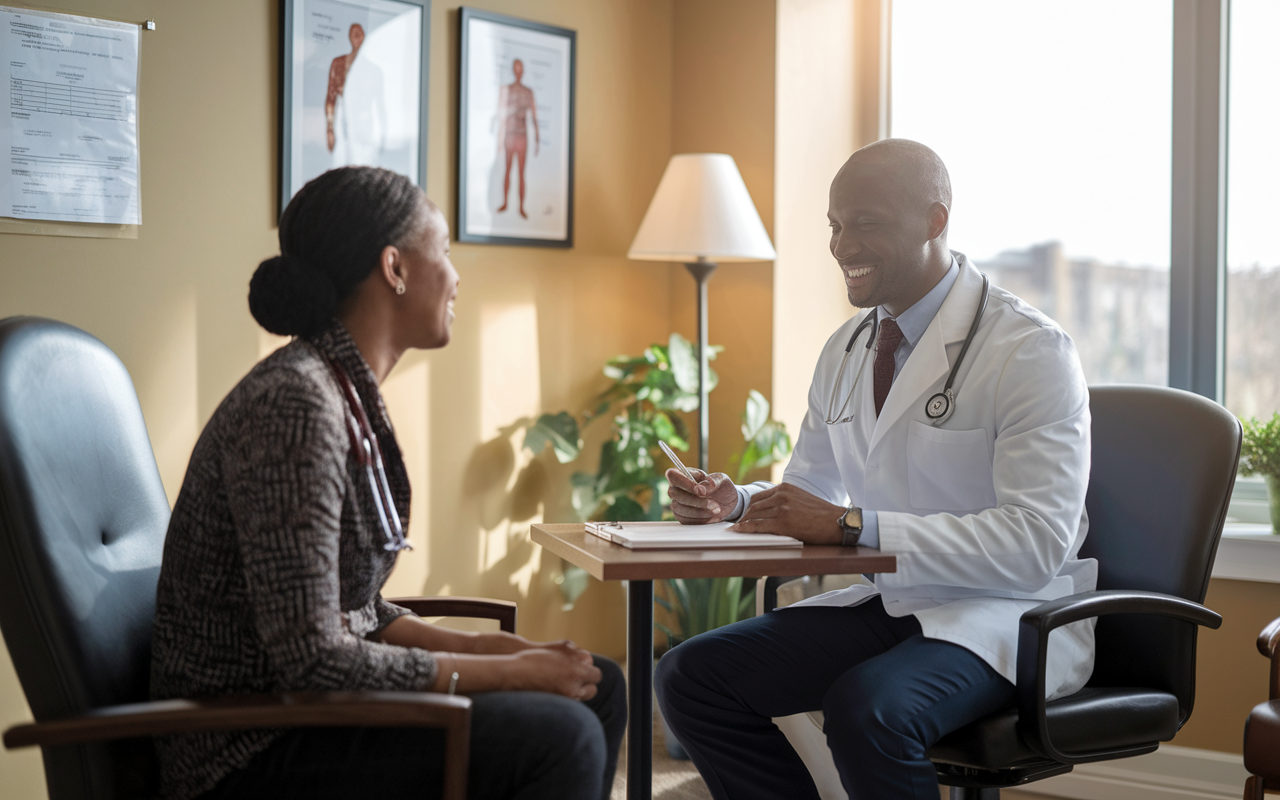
<point>274,561</point>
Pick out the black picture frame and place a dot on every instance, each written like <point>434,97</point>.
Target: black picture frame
<point>294,169</point>
<point>555,229</point>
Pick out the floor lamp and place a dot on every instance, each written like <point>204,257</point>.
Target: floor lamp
<point>702,215</point>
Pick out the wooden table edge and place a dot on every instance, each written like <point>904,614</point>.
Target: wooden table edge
<point>755,562</point>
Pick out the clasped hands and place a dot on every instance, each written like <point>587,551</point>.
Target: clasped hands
<point>783,509</point>
<point>499,660</point>
<point>560,666</point>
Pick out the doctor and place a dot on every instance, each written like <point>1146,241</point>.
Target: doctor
<point>979,492</point>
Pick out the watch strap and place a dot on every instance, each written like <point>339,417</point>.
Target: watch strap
<point>851,532</point>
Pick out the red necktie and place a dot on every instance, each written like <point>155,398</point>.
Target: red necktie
<point>886,345</point>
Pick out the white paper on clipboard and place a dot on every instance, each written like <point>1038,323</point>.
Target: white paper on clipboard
<point>70,134</point>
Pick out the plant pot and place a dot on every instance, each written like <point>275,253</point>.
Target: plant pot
<point>1273,495</point>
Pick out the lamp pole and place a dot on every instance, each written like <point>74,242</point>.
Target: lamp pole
<point>701,270</point>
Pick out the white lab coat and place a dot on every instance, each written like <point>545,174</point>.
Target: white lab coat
<point>985,512</point>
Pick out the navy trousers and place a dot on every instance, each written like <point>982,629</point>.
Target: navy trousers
<point>888,693</point>
<point>524,746</point>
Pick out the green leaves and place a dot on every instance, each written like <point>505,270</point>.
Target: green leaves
<point>699,605</point>
<point>767,441</point>
<point>573,581</point>
<point>644,403</point>
<point>1260,451</point>
<point>558,430</point>
<point>684,364</point>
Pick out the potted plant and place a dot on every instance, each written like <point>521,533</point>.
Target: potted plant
<point>1260,455</point>
<point>644,403</point>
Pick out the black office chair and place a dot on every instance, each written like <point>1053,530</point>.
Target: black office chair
<point>82,524</point>
<point>1163,466</point>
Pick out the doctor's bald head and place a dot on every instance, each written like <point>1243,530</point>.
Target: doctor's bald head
<point>889,208</point>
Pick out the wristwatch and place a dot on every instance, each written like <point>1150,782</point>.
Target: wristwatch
<point>851,526</point>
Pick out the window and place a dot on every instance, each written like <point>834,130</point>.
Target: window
<point>1054,120</point>
<point>1252,363</point>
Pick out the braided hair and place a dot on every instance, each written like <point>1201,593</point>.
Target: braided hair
<point>331,236</point>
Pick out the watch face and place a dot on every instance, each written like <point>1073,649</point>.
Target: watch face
<point>852,518</point>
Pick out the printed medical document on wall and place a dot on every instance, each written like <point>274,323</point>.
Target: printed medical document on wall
<point>70,135</point>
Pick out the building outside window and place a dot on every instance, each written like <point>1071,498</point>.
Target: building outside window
<point>1054,120</point>
<point>1252,362</point>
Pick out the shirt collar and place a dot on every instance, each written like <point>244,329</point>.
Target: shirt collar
<point>916,319</point>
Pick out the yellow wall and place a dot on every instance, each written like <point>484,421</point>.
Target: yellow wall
<point>1231,677</point>
<point>534,325</point>
<point>655,77</point>
<point>815,133</point>
<point>722,102</point>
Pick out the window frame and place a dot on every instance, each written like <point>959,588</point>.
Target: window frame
<point>1197,280</point>
<point>1198,208</point>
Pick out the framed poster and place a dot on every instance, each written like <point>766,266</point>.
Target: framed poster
<point>353,88</point>
<point>515,131</point>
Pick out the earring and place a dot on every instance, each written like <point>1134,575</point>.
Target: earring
<point>400,287</point>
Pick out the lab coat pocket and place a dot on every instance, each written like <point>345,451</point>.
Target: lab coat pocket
<point>949,470</point>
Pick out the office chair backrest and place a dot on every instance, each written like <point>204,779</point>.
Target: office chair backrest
<point>82,522</point>
<point>1164,462</point>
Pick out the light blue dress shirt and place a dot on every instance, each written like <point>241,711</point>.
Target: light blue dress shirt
<point>913,322</point>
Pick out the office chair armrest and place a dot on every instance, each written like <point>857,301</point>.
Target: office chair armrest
<point>1033,648</point>
<point>1267,642</point>
<point>504,611</point>
<point>292,710</point>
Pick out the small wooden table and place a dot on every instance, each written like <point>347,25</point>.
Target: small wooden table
<point>608,562</point>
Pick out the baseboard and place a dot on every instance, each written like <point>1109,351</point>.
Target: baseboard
<point>1170,773</point>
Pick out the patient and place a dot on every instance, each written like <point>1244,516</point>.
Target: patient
<point>279,543</point>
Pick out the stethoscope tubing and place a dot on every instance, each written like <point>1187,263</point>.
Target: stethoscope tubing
<point>939,407</point>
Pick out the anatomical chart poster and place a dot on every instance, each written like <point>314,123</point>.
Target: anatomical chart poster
<point>71,128</point>
<point>515,137</point>
<point>355,93</point>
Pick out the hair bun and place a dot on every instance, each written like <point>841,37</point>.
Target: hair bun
<point>288,299</point>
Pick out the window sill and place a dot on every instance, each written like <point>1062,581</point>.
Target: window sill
<point>1248,552</point>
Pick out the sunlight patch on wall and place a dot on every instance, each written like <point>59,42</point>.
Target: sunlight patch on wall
<point>406,392</point>
<point>510,371</point>
<point>510,396</point>
<point>168,390</point>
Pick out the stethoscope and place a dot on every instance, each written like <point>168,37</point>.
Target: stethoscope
<point>937,408</point>
<point>364,443</point>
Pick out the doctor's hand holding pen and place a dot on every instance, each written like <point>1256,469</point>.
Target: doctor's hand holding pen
<point>783,509</point>
<point>698,498</point>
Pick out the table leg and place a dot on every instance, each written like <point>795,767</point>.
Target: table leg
<point>640,690</point>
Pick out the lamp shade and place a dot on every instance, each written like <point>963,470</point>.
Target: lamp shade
<point>702,209</point>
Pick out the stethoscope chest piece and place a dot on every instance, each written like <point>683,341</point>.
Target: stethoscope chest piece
<point>939,407</point>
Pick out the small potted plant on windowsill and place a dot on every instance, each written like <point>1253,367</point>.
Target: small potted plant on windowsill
<point>1260,455</point>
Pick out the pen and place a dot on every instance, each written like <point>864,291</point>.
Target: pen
<point>676,461</point>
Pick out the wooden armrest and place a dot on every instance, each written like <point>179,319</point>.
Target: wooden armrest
<point>1268,641</point>
<point>504,611</point>
<point>293,710</point>
<point>244,712</point>
<point>1269,638</point>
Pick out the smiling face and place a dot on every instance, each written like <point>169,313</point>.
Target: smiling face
<point>431,282</point>
<point>888,225</point>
